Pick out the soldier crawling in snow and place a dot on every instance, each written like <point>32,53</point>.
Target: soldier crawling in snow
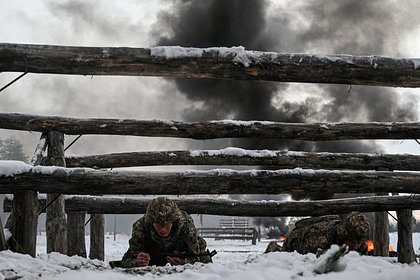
<point>161,235</point>
<point>312,234</point>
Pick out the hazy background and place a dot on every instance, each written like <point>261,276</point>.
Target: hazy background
<point>375,27</point>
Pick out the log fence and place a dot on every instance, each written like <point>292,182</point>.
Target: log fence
<point>230,233</point>
<point>297,172</point>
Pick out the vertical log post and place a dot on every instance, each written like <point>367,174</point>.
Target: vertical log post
<point>24,222</point>
<point>76,234</point>
<point>56,225</point>
<point>2,239</point>
<point>405,236</point>
<point>381,234</point>
<point>97,237</point>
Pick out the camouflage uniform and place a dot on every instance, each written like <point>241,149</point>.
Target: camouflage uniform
<point>312,234</point>
<point>183,236</point>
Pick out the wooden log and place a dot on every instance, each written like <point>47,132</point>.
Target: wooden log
<point>217,181</point>
<point>381,234</point>
<point>129,205</point>
<point>24,217</point>
<point>76,234</point>
<point>236,156</point>
<point>56,224</point>
<point>3,244</point>
<point>213,129</point>
<point>97,237</point>
<point>405,236</point>
<point>39,150</point>
<point>223,63</point>
<point>24,223</point>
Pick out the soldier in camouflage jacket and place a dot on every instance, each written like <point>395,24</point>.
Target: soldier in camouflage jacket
<point>312,234</point>
<point>163,232</point>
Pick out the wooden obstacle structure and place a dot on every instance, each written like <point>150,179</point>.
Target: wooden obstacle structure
<point>296,172</point>
<point>230,233</point>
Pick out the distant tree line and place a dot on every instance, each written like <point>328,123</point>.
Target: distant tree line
<point>12,149</point>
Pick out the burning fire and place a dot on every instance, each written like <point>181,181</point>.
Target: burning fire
<point>282,237</point>
<point>371,247</point>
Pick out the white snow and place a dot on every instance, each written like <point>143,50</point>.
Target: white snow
<point>232,151</point>
<point>13,167</point>
<point>234,260</point>
<point>10,168</point>
<point>242,123</point>
<point>238,54</point>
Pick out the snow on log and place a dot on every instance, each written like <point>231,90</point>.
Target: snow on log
<point>238,156</point>
<point>212,129</point>
<point>218,181</point>
<point>223,63</point>
<point>225,207</point>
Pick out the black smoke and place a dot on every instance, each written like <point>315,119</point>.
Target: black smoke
<point>349,26</point>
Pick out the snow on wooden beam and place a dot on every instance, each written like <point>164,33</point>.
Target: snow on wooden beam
<point>225,207</point>
<point>212,129</point>
<point>224,63</point>
<point>238,156</point>
<point>20,176</point>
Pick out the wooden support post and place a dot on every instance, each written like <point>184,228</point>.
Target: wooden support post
<point>25,222</point>
<point>24,216</point>
<point>2,239</point>
<point>381,234</point>
<point>76,234</point>
<point>56,225</point>
<point>405,236</point>
<point>254,236</point>
<point>97,237</point>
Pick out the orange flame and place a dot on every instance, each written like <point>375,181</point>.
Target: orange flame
<point>371,247</point>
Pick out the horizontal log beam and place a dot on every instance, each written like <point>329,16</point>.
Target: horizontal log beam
<point>237,156</point>
<point>218,181</point>
<point>103,205</point>
<point>223,63</point>
<point>213,129</point>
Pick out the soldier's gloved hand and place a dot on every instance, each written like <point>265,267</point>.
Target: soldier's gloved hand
<point>143,259</point>
<point>174,260</point>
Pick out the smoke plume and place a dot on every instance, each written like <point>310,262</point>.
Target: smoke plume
<point>349,26</point>
<point>353,27</point>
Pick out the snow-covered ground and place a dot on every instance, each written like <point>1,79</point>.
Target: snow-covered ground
<point>235,260</point>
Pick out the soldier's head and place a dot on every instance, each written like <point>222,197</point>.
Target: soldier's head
<point>162,213</point>
<point>354,230</point>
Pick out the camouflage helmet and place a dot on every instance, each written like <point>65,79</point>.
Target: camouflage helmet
<point>162,210</point>
<point>354,227</point>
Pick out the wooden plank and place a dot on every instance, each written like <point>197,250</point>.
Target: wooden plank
<point>213,129</point>
<point>223,63</point>
<point>129,205</point>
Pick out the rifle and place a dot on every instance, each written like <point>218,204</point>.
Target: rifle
<point>160,258</point>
